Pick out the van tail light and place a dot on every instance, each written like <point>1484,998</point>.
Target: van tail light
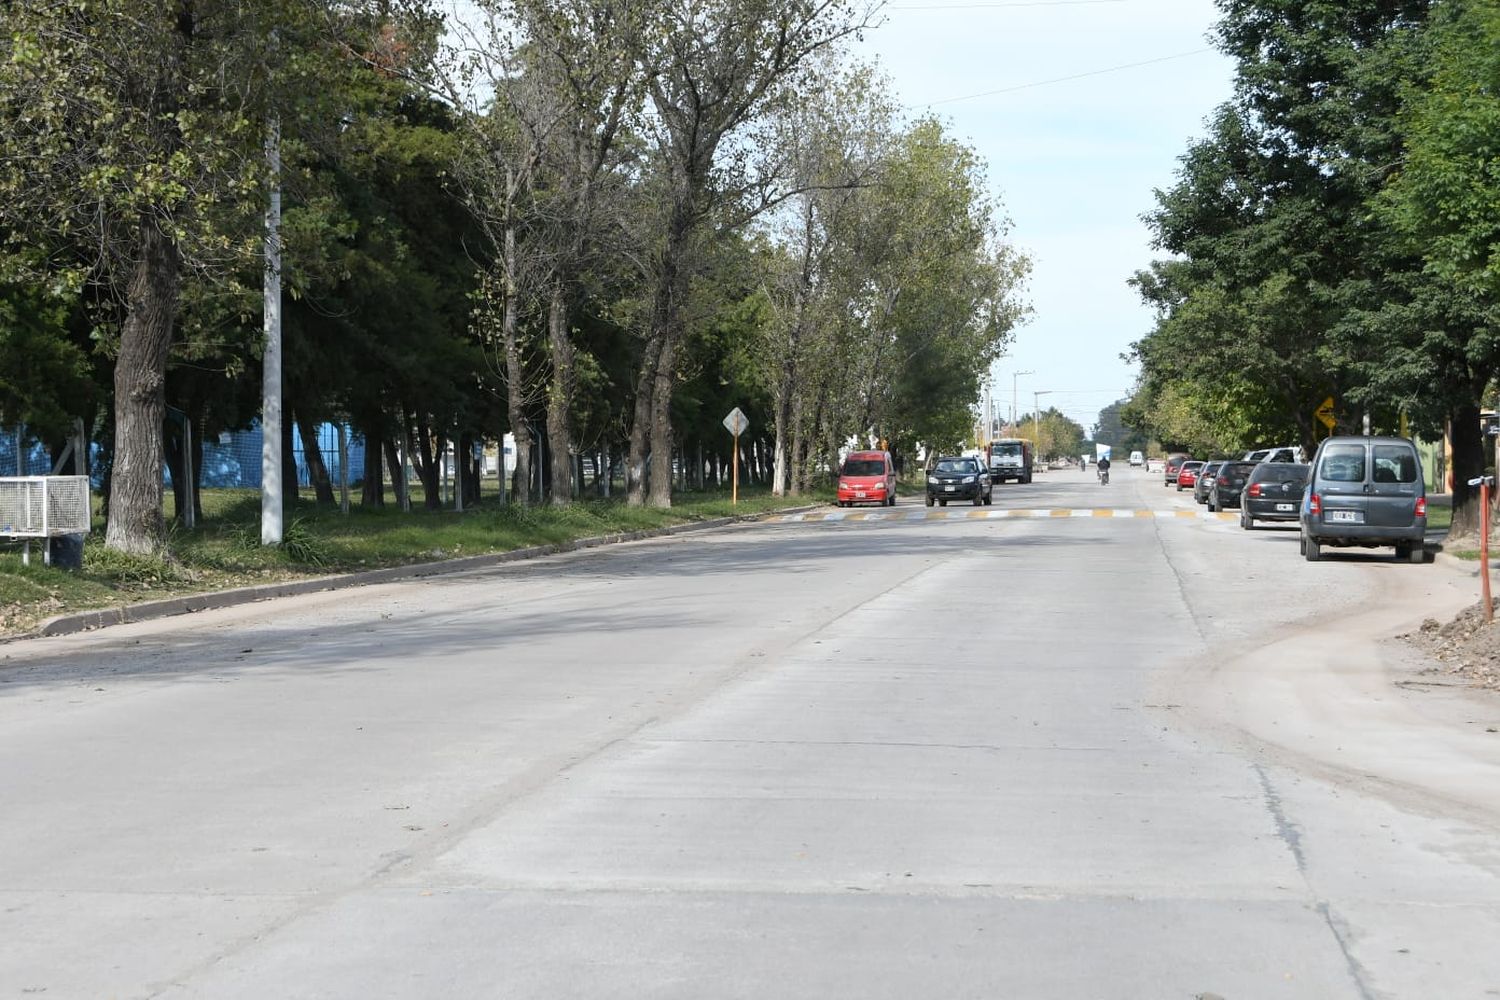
<point>1315,504</point>
<point>1421,506</point>
<point>1254,489</point>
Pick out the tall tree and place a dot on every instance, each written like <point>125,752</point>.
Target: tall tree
<point>714,68</point>
<point>138,159</point>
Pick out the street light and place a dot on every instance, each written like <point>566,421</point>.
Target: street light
<point>1036,420</point>
<point>1013,377</point>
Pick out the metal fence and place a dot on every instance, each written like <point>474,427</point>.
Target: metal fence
<point>232,459</point>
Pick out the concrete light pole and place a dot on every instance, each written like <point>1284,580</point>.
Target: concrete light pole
<point>1036,422</point>
<point>270,420</point>
<point>1013,377</point>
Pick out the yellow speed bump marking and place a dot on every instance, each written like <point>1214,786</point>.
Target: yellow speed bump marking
<point>1001,514</point>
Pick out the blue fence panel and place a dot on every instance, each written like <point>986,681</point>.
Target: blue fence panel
<point>232,459</point>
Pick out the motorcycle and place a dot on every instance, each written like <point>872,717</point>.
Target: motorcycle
<point>1103,477</point>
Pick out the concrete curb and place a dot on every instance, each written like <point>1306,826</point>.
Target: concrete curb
<point>82,621</point>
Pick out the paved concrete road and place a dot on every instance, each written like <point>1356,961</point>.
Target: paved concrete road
<point>951,758</point>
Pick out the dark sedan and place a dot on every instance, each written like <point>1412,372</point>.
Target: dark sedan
<point>1205,480</point>
<point>958,477</point>
<point>1273,493</point>
<point>1229,482</point>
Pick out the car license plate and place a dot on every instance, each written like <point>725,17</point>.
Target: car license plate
<point>859,493</point>
<point>949,489</point>
<point>1286,506</point>
<point>1347,516</point>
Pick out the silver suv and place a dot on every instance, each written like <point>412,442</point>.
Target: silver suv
<point>1365,491</point>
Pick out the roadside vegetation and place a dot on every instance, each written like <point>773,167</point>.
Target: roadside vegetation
<point>224,550</point>
<point>1334,235</point>
<point>595,227</point>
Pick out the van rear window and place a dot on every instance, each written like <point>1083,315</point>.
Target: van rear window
<point>1394,463</point>
<point>1344,463</point>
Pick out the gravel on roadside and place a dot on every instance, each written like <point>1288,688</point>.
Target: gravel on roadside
<point>1467,646</point>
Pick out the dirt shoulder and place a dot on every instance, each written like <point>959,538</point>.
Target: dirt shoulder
<point>1347,699</point>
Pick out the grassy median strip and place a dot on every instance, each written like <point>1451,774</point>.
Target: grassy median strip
<point>224,551</point>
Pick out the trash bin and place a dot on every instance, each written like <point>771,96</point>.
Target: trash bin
<point>66,551</point>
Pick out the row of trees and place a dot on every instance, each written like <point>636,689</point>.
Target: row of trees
<point>1336,233</point>
<point>597,224</point>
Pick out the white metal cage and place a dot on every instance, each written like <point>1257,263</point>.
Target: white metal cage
<point>44,506</point>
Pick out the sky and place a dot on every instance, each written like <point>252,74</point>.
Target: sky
<point>1073,163</point>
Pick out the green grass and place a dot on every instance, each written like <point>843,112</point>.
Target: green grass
<point>1440,518</point>
<point>224,550</point>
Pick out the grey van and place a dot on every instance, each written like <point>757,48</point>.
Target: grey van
<point>1365,491</point>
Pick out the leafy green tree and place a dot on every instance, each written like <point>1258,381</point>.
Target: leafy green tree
<point>138,159</point>
<point>713,70</point>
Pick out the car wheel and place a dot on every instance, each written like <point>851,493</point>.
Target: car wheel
<point>1246,521</point>
<point>942,503</point>
<point>892,500</point>
<point>1311,550</point>
<point>1212,508</point>
<point>929,500</point>
<point>1418,554</point>
<point>989,499</point>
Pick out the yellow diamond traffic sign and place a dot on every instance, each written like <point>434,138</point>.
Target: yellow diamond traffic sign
<point>1325,413</point>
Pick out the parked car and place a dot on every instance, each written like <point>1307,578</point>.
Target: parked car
<point>1291,453</point>
<point>1187,474</point>
<point>959,477</point>
<point>1365,491</point>
<point>1174,466</point>
<point>1228,483</point>
<point>1273,493</point>
<point>1204,481</point>
<point>867,477</point>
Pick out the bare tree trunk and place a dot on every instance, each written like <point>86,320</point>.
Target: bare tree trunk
<point>172,455</point>
<point>1468,463</point>
<point>398,474</point>
<point>373,493</point>
<point>429,448</point>
<point>560,397</point>
<point>799,448</point>
<point>635,460</point>
<point>515,374</point>
<point>317,470</point>
<point>135,518</point>
<point>660,493</point>
<point>781,417</point>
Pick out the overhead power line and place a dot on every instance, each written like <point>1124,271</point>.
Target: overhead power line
<point>1064,79</point>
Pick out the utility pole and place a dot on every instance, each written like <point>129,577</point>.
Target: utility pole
<point>1013,377</point>
<point>1036,422</point>
<point>270,420</point>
